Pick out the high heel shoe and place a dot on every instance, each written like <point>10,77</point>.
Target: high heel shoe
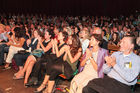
<point>43,86</point>
<point>26,85</point>
<point>33,81</point>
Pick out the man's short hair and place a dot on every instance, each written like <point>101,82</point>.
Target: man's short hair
<point>132,39</point>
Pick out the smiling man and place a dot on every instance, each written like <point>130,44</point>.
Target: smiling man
<point>122,69</point>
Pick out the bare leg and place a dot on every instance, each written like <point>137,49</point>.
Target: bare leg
<point>29,59</point>
<point>42,86</point>
<point>28,71</point>
<point>20,69</point>
<point>7,65</point>
<point>50,86</point>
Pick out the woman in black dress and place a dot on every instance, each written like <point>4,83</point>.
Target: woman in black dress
<point>65,65</point>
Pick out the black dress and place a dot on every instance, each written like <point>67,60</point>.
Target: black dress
<point>46,60</point>
<point>55,67</point>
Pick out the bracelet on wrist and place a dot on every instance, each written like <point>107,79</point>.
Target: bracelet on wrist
<point>90,57</point>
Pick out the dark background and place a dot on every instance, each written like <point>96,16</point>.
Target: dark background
<point>71,7</point>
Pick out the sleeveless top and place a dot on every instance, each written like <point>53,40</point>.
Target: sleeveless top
<point>61,57</point>
<point>73,65</point>
<point>45,44</point>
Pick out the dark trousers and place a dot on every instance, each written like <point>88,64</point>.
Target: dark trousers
<point>20,58</point>
<point>3,49</point>
<point>106,85</point>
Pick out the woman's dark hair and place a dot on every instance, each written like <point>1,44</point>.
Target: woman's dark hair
<point>65,34</point>
<point>41,34</point>
<point>76,44</point>
<point>51,32</point>
<point>104,32</point>
<point>19,32</point>
<point>98,37</point>
<point>117,37</point>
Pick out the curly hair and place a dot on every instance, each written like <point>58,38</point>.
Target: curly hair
<point>19,32</point>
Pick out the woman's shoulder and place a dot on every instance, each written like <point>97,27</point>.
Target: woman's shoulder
<point>103,50</point>
<point>80,49</point>
<point>65,45</point>
<point>22,39</point>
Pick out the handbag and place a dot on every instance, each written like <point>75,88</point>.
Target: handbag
<point>37,53</point>
<point>22,51</point>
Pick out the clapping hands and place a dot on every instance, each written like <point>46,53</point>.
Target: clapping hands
<point>54,42</point>
<point>110,60</point>
<point>39,39</point>
<point>8,43</point>
<point>88,54</point>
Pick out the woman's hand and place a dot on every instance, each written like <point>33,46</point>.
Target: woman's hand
<point>28,42</point>
<point>0,40</point>
<point>55,41</point>
<point>68,47</point>
<point>39,39</point>
<point>88,54</point>
<point>8,43</point>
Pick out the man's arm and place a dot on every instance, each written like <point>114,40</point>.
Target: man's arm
<point>128,73</point>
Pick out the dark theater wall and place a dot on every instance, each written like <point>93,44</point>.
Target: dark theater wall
<point>70,7</point>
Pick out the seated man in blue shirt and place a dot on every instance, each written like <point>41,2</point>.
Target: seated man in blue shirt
<point>122,69</point>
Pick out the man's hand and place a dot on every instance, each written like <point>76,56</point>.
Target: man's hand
<point>113,59</point>
<point>110,61</point>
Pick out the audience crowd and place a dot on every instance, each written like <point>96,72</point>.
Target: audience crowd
<point>81,48</point>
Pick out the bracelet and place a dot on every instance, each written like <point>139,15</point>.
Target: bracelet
<point>90,57</point>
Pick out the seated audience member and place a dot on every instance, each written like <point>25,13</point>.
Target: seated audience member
<point>42,62</point>
<point>93,63</point>
<point>44,45</point>
<point>3,33</point>
<point>57,56</point>
<point>104,43</point>
<point>115,39</point>
<point>122,69</point>
<point>20,58</point>
<point>84,39</point>
<point>65,65</point>
<point>18,44</point>
<point>3,46</point>
<point>137,48</point>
